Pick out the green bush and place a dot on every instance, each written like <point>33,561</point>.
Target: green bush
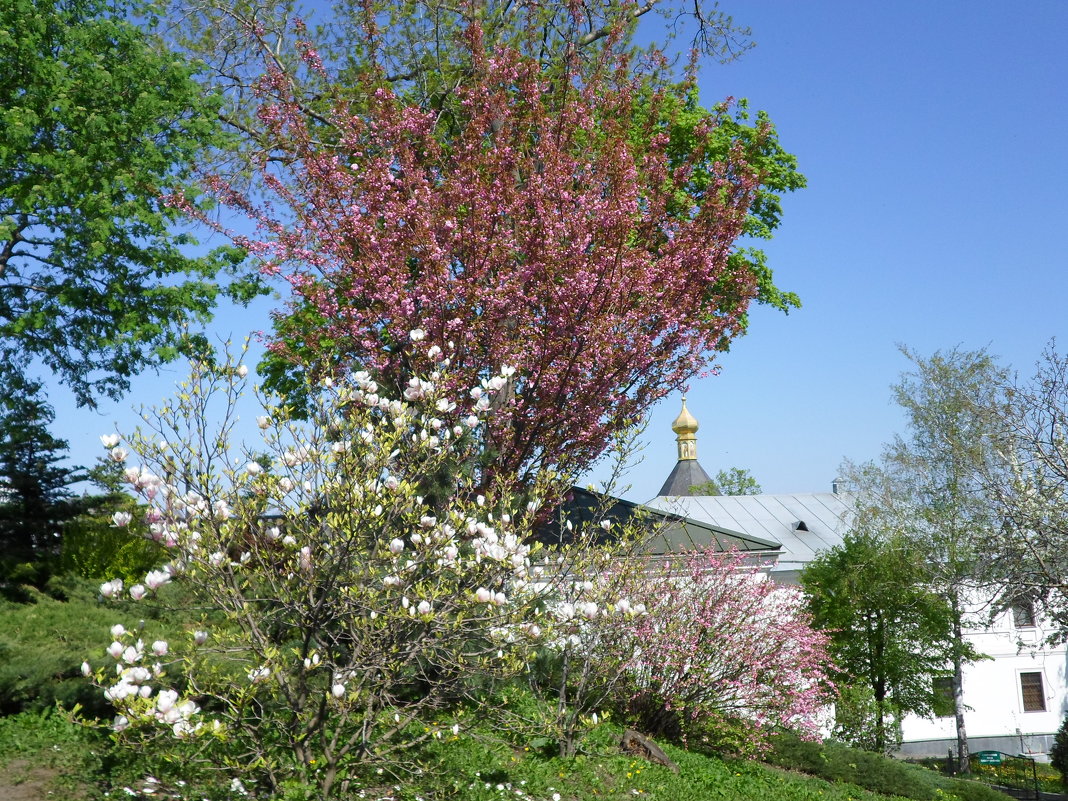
<point>839,763</point>
<point>1058,755</point>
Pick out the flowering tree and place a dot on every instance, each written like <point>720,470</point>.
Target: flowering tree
<point>345,617</point>
<point>721,642</point>
<point>544,219</point>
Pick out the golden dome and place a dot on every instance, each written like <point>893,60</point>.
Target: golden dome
<point>685,423</point>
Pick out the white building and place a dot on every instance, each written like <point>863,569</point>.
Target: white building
<point>1016,699</point>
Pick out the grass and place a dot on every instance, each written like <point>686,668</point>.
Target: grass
<point>81,764</point>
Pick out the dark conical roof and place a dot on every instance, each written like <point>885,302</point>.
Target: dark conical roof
<point>687,473</point>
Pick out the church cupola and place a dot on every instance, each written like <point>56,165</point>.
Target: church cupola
<point>688,472</point>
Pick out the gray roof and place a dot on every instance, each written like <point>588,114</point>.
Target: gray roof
<point>687,473</point>
<point>803,523</point>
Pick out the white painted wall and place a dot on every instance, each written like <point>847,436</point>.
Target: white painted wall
<point>992,688</point>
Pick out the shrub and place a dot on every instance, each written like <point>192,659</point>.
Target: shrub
<point>720,644</point>
<point>1058,754</point>
<point>359,617</point>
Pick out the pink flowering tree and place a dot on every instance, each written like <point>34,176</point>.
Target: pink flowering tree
<point>724,645</point>
<point>547,219</point>
<point>336,618</point>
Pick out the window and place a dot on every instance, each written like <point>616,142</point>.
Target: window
<point>942,703</point>
<point>1023,614</point>
<point>1034,695</point>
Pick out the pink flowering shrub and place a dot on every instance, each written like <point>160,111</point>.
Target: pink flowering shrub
<point>724,651</point>
<point>337,617</point>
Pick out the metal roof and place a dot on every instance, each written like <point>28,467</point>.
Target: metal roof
<point>687,473</point>
<point>825,517</point>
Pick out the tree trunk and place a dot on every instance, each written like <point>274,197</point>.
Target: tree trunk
<point>963,763</point>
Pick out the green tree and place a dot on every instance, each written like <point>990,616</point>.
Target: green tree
<point>733,481</point>
<point>889,632</point>
<point>98,125</point>
<point>931,481</point>
<point>35,495</point>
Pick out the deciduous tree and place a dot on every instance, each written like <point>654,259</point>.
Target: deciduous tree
<point>889,631</point>
<point>543,221</point>
<point>96,122</point>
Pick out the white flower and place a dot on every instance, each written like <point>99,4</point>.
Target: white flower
<point>337,690</point>
<point>424,608</point>
<point>137,591</point>
<point>253,468</point>
<point>166,700</point>
<point>109,441</point>
<point>121,519</point>
<point>483,596</point>
<point>417,335</point>
<point>118,455</point>
<point>259,674</point>
<point>156,579</point>
<point>111,588</point>
<point>606,524</point>
<point>121,722</point>
<point>118,630</point>
<point>159,647</point>
<point>286,484</point>
<point>200,637</point>
<point>396,546</point>
<point>241,371</point>
<point>86,670</point>
<point>263,421</point>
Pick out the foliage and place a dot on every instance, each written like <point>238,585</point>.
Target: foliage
<point>96,123</point>
<point>838,763</point>
<point>734,481</point>
<point>1058,754</point>
<point>94,547</point>
<point>722,643</point>
<point>35,499</point>
<point>887,630</point>
<point>43,641</point>
<point>549,220</point>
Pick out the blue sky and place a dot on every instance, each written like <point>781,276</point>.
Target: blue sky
<point>933,138</point>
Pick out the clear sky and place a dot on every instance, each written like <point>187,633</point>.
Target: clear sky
<point>933,136</point>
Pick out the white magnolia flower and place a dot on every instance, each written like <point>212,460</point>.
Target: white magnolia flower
<point>86,670</point>
<point>253,468</point>
<point>156,579</point>
<point>337,690</point>
<point>109,441</point>
<point>396,546</point>
<point>137,591</point>
<point>483,596</point>
<point>111,588</point>
<point>159,647</point>
<point>424,608</point>
<point>121,722</point>
<point>118,630</point>
<point>417,335</point>
<point>263,421</point>
<point>166,700</point>
<point>200,637</point>
<point>121,519</point>
<point>242,371</point>
<point>118,454</point>
<point>259,674</point>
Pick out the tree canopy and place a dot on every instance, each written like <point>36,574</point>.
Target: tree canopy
<point>97,122</point>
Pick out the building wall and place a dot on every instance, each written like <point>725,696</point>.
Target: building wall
<point>996,718</point>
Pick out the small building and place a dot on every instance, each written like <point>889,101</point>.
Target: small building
<point>1016,699</point>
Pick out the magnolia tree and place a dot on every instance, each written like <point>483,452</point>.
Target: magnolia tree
<point>722,645</point>
<point>539,218</point>
<point>347,618</point>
